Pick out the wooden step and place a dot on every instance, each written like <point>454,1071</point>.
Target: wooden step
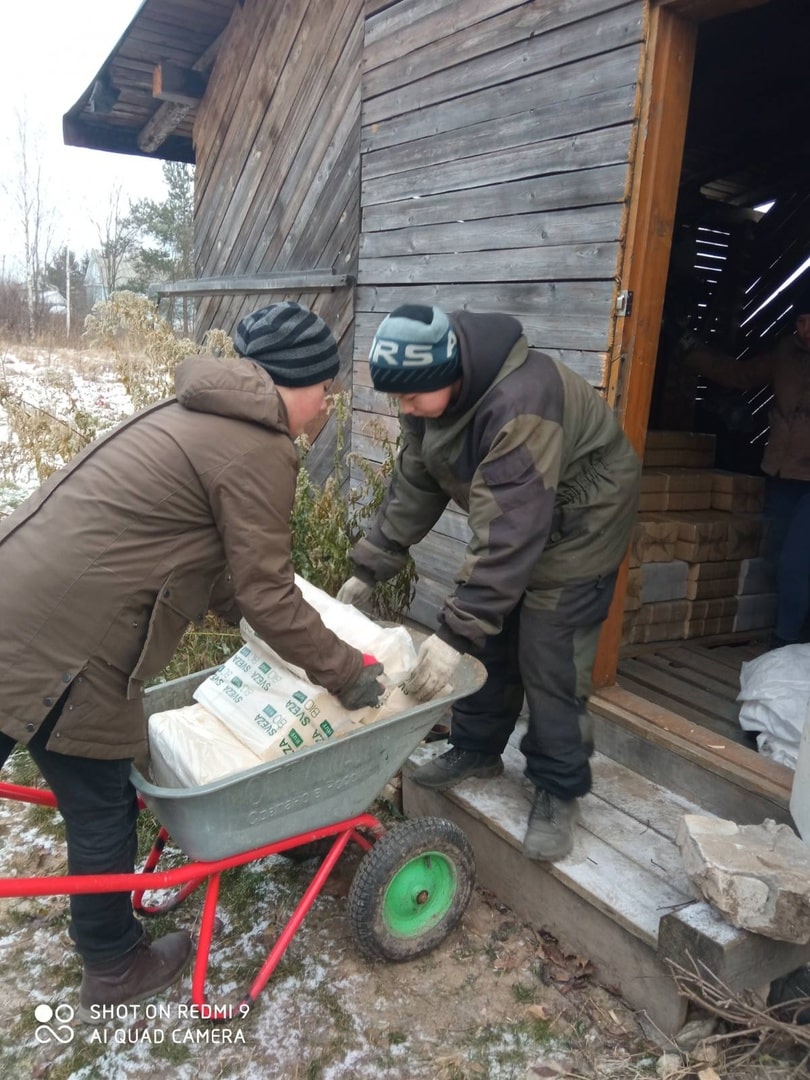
<point>719,774</point>
<point>621,898</point>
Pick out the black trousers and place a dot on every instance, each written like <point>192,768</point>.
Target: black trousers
<point>544,653</point>
<point>100,810</point>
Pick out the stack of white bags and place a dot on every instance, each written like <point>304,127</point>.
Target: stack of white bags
<point>257,708</point>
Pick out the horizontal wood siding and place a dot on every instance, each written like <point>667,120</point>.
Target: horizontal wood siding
<point>496,142</point>
<point>277,139</point>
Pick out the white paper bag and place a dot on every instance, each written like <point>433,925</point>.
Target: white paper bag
<point>190,747</point>
<point>272,707</point>
<point>268,708</point>
<point>391,645</point>
<point>257,708</point>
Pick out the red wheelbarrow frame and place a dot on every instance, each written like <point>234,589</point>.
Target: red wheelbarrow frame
<point>188,878</point>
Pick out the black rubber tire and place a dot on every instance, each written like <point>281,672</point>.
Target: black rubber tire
<point>412,842</point>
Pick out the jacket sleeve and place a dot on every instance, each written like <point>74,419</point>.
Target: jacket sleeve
<point>727,371</point>
<point>252,500</point>
<point>412,505</point>
<point>512,499</point>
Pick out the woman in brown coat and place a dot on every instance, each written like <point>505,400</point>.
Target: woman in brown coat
<point>182,508</point>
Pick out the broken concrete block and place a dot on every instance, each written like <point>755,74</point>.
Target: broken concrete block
<point>758,876</point>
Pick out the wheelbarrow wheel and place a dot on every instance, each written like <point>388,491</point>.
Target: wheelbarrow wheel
<point>411,889</point>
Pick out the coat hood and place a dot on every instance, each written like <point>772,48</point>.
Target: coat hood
<point>232,387</point>
<point>485,340</point>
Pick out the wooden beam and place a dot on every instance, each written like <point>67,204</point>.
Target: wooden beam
<point>698,934</point>
<point>665,89</point>
<point>77,131</point>
<point>168,117</point>
<point>703,10</point>
<point>172,113</point>
<point>284,281</point>
<point>662,727</point>
<point>183,86</point>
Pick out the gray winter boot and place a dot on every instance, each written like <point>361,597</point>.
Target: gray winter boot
<point>550,834</point>
<point>147,968</point>
<point>456,765</point>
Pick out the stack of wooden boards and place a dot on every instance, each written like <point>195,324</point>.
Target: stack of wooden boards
<point>696,566</point>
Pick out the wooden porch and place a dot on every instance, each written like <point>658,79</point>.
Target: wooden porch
<point>672,714</point>
<point>699,679</point>
<point>668,744</point>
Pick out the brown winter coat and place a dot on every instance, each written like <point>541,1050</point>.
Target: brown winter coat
<point>182,507</point>
<point>787,368</point>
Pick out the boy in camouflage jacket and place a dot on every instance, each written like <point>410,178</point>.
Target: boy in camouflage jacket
<point>550,484</point>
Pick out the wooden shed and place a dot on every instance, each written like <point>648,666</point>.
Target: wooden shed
<point>597,168</point>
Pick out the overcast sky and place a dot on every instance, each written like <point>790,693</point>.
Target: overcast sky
<point>50,51</point>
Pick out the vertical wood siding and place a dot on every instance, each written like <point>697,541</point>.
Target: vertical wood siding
<point>496,143</point>
<point>278,148</point>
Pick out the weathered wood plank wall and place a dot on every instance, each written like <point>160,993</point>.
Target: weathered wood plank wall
<point>496,142</point>
<point>278,145</point>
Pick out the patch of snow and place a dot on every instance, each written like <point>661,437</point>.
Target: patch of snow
<point>55,383</point>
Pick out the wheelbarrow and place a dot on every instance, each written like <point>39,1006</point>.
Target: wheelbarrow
<point>412,885</point>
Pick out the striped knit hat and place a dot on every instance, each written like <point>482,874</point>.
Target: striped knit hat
<point>293,345</point>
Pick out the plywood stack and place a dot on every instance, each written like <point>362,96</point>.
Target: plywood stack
<point>695,555</point>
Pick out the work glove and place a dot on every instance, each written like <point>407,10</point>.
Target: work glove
<point>365,691</point>
<point>354,591</point>
<point>435,664</point>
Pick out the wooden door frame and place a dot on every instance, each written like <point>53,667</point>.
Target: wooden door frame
<point>665,85</point>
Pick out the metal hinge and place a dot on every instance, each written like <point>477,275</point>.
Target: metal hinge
<point>624,302</point>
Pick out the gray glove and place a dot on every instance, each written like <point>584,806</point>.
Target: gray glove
<point>434,669</point>
<point>354,591</point>
<point>365,691</point>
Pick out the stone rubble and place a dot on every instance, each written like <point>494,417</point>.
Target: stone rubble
<point>758,876</point>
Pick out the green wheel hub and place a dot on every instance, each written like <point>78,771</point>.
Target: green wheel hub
<point>419,894</point>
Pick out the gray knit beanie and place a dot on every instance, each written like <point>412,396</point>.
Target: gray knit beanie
<point>414,351</point>
<point>293,345</point>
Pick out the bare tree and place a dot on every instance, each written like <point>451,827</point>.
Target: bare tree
<point>27,191</point>
<point>117,240</point>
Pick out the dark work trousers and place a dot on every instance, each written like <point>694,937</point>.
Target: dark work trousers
<point>787,511</point>
<point>100,809</point>
<point>546,652</point>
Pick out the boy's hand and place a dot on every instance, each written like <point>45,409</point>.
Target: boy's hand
<point>354,591</point>
<point>434,669</point>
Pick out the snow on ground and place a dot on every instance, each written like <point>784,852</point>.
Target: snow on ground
<point>59,383</point>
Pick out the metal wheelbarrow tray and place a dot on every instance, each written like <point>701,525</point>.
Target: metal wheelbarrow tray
<point>306,790</point>
<point>413,883</point>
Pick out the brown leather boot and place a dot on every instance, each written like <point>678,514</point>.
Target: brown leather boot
<point>147,968</point>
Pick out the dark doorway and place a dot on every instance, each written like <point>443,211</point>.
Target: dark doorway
<point>747,146</point>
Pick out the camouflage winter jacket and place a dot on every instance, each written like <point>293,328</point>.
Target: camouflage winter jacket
<point>535,457</point>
